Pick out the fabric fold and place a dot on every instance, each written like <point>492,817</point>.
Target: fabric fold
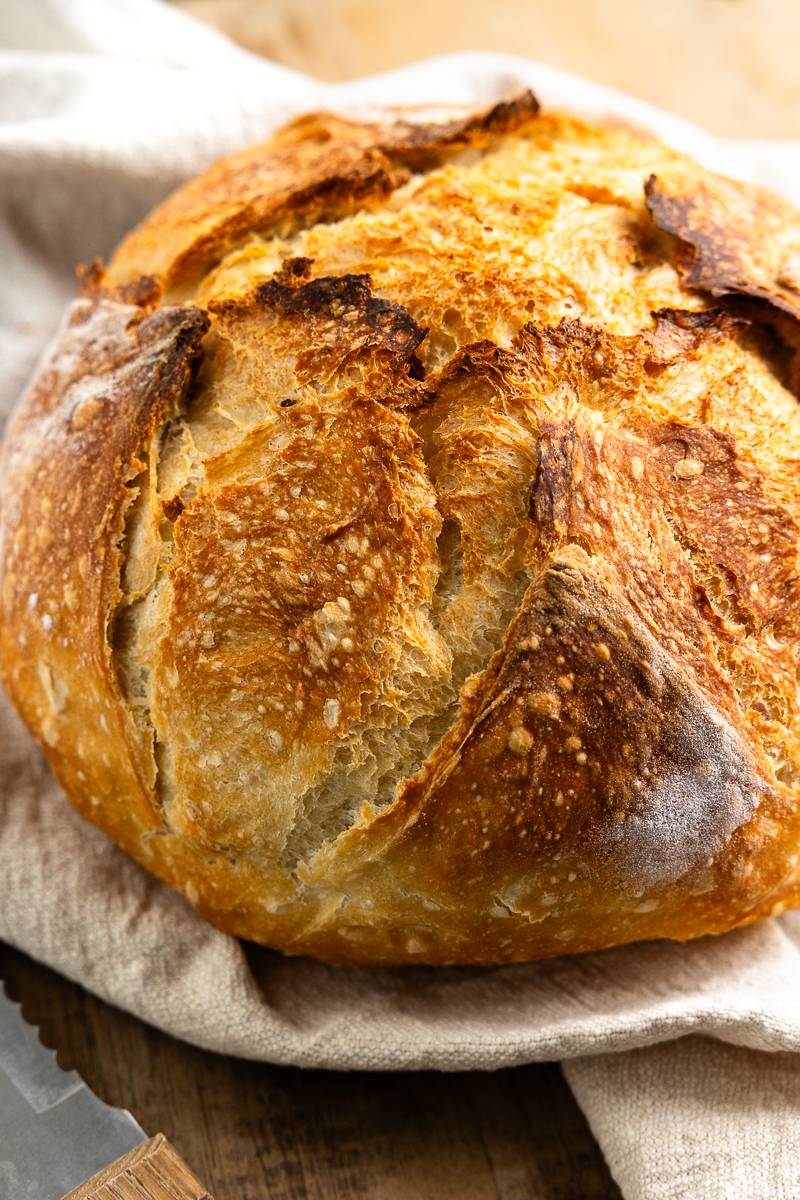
<point>695,1120</point>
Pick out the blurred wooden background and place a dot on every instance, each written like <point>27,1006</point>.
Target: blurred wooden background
<point>731,65</point>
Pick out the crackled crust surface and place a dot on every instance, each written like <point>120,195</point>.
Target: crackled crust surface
<point>399,545</point>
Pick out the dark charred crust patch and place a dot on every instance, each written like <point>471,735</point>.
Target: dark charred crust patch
<point>679,332</point>
<point>508,116</point>
<point>731,237</point>
<point>348,298</point>
<point>355,320</point>
<point>335,331</point>
<point>94,283</point>
<point>294,272</point>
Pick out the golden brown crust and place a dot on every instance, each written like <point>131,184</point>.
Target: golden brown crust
<point>318,168</point>
<point>609,782</point>
<point>448,612</point>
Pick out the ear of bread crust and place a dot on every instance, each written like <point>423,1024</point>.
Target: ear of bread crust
<point>738,238</point>
<point>320,167</point>
<point>610,781</point>
<point>70,467</point>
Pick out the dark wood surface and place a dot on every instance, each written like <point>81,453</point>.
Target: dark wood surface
<point>257,1132</point>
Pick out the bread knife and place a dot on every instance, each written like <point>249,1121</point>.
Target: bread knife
<point>58,1141</point>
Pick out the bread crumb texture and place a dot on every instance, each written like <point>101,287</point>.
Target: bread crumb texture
<point>399,544</point>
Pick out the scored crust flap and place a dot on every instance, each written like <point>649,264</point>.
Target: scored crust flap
<point>319,167</point>
<point>609,781</point>
<point>70,468</point>
<point>738,238</point>
<point>606,753</point>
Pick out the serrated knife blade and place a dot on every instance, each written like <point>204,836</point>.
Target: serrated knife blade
<point>55,1134</point>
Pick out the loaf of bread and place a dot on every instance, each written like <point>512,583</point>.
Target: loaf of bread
<point>400,542</point>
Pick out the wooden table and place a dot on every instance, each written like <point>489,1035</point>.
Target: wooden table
<point>256,1132</point>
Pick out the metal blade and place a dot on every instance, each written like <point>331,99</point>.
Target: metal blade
<point>54,1132</point>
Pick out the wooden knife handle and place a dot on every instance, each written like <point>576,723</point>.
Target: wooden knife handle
<point>153,1171</point>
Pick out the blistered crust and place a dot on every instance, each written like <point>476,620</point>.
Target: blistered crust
<point>318,168</point>
<point>427,591</point>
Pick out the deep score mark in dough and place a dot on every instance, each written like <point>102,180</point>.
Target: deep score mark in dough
<point>399,542</point>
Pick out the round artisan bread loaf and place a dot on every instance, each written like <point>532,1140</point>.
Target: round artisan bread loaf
<point>400,542</point>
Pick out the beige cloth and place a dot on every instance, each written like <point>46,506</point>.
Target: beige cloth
<point>104,106</point>
<point>695,1119</point>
